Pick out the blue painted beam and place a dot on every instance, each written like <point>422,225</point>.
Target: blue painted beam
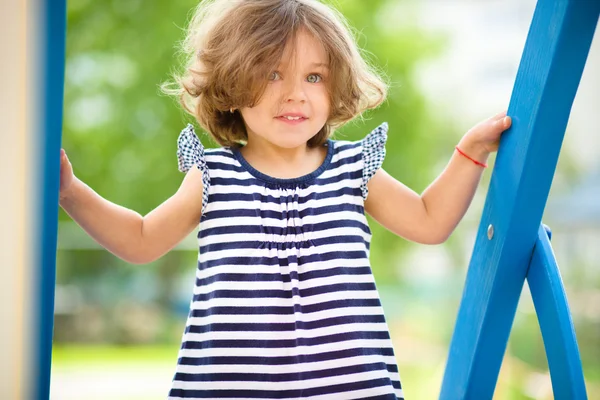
<point>52,44</point>
<point>555,321</point>
<point>549,73</point>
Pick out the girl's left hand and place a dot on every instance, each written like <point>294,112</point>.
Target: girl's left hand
<point>484,138</point>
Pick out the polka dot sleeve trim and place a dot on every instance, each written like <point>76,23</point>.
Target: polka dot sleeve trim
<point>190,152</point>
<point>373,153</point>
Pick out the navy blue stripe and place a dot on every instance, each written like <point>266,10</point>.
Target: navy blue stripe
<point>219,166</point>
<point>226,153</point>
<point>287,360</point>
<point>284,214</point>
<point>283,262</point>
<point>285,310</point>
<point>337,287</point>
<point>345,161</point>
<point>285,327</point>
<point>284,231</point>
<point>333,304</point>
<point>226,197</point>
<point>337,271</point>
<point>366,270</point>
<point>256,244</point>
<point>284,343</point>
<point>343,175</point>
<point>278,277</point>
<point>243,277</point>
<point>281,394</point>
<point>282,294</point>
<point>219,181</point>
<point>281,377</point>
<point>346,146</point>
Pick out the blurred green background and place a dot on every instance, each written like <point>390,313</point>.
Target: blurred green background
<point>118,326</point>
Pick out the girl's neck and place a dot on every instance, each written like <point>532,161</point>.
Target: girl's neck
<point>283,163</point>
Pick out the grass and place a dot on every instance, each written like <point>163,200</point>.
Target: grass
<point>103,355</point>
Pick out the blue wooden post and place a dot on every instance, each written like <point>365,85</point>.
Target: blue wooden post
<point>52,44</point>
<point>551,66</point>
<point>556,325</point>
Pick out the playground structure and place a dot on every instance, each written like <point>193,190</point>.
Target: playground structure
<point>511,243</point>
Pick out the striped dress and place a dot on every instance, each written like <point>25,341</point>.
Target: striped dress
<point>285,304</point>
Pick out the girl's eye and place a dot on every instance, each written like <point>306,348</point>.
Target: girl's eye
<point>274,76</point>
<point>314,78</point>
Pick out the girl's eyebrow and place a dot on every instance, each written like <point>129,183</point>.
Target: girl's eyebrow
<point>311,65</point>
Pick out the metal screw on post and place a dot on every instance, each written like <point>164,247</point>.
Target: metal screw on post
<point>490,232</point>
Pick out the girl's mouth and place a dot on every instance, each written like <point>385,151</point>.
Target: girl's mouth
<point>291,120</point>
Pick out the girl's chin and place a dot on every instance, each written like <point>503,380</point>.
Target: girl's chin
<point>292,141</point>
<point>289,139</point>
<point>286,137</point>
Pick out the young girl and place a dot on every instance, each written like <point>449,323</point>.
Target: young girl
<point>284,304</point>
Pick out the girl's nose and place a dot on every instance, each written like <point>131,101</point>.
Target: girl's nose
<point>294,91</point>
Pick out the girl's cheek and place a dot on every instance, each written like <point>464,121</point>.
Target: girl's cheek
<point>272,93</point>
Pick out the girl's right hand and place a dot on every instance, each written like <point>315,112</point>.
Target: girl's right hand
<point>66,174</point>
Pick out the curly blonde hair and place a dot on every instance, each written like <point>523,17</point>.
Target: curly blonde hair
<point>232,45</point>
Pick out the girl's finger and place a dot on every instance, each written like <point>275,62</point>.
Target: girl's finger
<point>499,116</point>
<point>505,122</point>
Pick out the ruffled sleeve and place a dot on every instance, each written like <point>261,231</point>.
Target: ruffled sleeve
<point>190,152</point>
<point>373,153</point>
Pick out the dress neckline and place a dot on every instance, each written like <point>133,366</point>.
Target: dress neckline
<point>285,181</point>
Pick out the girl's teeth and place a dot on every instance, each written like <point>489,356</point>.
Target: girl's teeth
<point>292,118</point>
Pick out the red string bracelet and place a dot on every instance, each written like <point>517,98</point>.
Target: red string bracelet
<point>466,156</point>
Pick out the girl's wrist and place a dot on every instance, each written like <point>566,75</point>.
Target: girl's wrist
<point>67,195</point>
<point>477,154</point>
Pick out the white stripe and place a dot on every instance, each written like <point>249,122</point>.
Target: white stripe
<point>288,351</point>
<point>220,158</point>
<point>283,192</point>
<point>283,223</point>
<point>266,238</point>
<point>330,296</point>
<point>291,318</point>
<point>349,151</point>
<point>275,253</point>
<point>280,285</point>
<point>270,269</point>
<point>279,318</point>
<point>270,206</point>
<point>341,168</point>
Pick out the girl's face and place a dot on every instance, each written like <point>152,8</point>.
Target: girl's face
<point>295,105</point>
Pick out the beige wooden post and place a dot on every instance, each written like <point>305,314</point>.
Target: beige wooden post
<point>17,197</point>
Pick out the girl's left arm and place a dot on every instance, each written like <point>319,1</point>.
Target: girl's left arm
<point>430,218</point>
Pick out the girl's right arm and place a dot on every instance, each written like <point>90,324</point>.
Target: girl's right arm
<point>124,232</point>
